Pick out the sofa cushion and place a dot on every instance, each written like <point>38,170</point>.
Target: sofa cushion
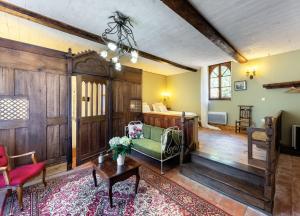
<point>22,174</point>
<point>259,135</point>
<point>156,133</point>
<point>147,131</point>
<point>148,147</point>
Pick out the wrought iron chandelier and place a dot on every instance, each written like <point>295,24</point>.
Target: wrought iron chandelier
<point>121,41</point>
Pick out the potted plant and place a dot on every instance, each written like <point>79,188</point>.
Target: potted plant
<point>120,146</point>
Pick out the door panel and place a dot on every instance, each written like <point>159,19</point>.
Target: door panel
<point>91,118</point>
<point>33,103</point>
<point>45,129</point>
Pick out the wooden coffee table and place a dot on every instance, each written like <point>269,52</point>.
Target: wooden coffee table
<point>111,173</point>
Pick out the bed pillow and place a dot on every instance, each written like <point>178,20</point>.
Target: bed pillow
<point>146,131</point>
<point>135,131</point>
<point>163,108</point>
<point>146,108</point>
<point>155,107</point>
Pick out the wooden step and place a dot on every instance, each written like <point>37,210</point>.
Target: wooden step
<point>238,189</point>
<point>240,171</point>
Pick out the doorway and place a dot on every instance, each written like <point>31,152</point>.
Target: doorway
<point>89,117</point>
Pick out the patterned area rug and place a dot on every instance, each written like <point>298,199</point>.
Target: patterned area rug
<point>75,194</point>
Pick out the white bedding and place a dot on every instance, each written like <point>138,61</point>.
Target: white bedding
<point>174,113</point>
<point>160,108</point>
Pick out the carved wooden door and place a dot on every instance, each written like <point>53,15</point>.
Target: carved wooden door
<point>92,118</point>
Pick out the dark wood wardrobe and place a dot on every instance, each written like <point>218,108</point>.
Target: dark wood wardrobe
<point>35,102</point>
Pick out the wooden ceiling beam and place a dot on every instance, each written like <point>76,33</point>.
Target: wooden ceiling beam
<point>55,24</point>
<point>187,11</point>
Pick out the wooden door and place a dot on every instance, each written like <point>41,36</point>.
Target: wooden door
<point>92,118</point>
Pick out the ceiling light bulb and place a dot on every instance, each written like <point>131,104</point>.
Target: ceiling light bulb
<point>133,60</point>
<point>134,54</point>
<point>118,66</point>
<point>112,46</point>
<point>115,59</point>
<point>103,53</point>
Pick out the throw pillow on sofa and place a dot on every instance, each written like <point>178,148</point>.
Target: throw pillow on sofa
<point>135,131</point>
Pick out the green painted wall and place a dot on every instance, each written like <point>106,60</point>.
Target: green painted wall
<point>152,87</point>
<point>278,68</point>
<point>185,92</point>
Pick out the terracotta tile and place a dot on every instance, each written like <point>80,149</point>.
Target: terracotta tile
<point>231,206</point>
<point>253,212</point>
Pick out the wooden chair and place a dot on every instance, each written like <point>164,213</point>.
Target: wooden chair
<point>17,177</point>
<point>245,118</point>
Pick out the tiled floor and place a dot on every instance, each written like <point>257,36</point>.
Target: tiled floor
<point>227,145</point>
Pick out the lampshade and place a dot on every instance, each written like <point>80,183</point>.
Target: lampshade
<point>118,66</point>
<point>112,46</point>
<point>103,53</point>
<point>115,59</point>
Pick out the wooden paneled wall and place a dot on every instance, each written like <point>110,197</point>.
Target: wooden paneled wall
<point>126,86</point>
<point>41,77</point>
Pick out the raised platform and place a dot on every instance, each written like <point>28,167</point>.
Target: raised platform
<point>239,181</point>
<point>228,145</point>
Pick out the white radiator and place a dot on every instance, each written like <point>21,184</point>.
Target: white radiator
<point>296,136</point>
<point>217,118</point>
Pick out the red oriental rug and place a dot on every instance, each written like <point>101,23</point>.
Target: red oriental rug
<point>75,194</point>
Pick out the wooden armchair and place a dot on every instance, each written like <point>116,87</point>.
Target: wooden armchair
<point>17,177</point>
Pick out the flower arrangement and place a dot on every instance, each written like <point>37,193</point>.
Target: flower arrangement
<point>120,146</point>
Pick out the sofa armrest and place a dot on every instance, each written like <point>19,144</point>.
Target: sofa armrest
<point>171,141</point>
<point>126,130</point>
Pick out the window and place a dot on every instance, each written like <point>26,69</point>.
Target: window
<point>220,81</point>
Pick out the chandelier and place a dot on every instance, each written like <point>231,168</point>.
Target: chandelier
<point>119,40</point>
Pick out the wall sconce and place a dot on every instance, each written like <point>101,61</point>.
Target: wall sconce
<point>251,73</point>
<point>166,96</point>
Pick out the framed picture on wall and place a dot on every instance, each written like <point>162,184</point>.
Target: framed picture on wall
<point>240,85</point>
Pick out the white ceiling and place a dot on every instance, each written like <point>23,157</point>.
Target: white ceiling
<point>257,28</point>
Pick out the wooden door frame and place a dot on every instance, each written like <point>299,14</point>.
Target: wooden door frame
<point>79,80</point>
<point>69,145</point>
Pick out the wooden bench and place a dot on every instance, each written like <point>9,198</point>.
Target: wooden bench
<point>269,139</point>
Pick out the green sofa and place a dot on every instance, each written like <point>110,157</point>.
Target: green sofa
<point>158,143</point>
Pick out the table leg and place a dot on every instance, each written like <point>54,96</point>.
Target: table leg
<point>137,181</point>
<point>110,194</point>
<point>95,178</point>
